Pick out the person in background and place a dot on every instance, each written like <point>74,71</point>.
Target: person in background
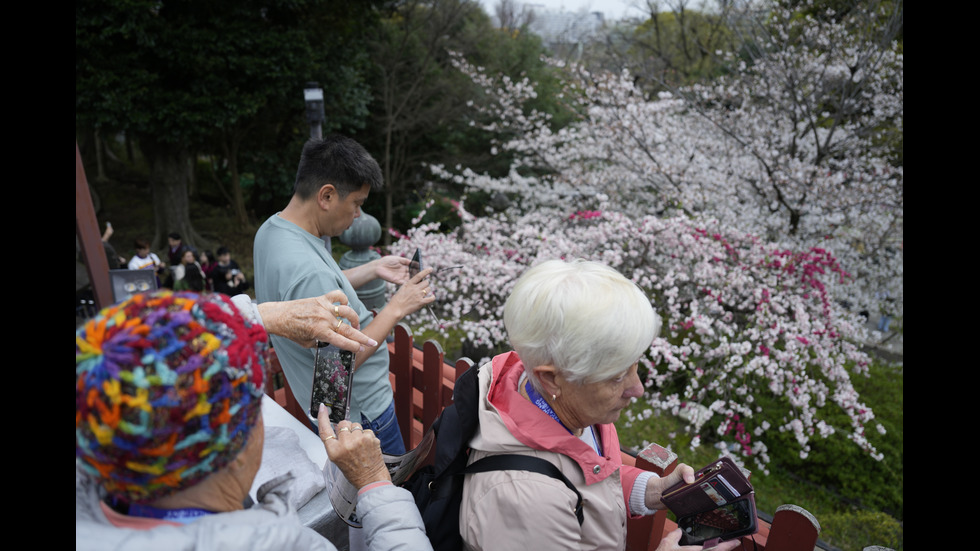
<point>578,330</point>
<point>207,262</point>
<point>175,251</point>
<point>175,248</point>
<point>112,257</point>
<point>169,432</point>
<point>144,259</point>
<point>334,178</point>
<point>188,275</point>
<point>227,275</point>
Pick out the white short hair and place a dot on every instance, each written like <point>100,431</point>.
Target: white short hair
<point>582,317</point>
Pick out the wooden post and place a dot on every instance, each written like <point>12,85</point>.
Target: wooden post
<point>644,534</point>
<point>401,364</point>
<point>793,528</point>
<point>432,365</point>
<point>87,230</point>
<point>461,366</point>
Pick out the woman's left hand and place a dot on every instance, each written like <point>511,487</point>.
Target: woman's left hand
<point>355,451</point>
<point>656,486</point>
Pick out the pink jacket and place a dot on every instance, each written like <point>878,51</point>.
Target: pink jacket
<point>522,510</point>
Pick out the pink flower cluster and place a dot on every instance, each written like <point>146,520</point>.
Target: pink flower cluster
<point>742,317</point>
<point>585,214</point>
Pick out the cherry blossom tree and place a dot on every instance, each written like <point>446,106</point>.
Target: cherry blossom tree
<point>797,146</point>
<point>754,214</point>
<point>743,317</point>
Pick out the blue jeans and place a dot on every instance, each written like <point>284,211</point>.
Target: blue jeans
<point>883,323</point>
<point>386,428</point>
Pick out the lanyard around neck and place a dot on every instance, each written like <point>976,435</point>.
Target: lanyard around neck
<point>544,406</point>
<point>182,515</point>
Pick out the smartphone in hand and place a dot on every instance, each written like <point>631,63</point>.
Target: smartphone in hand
<point>333,370</point>
<point>415,265</point>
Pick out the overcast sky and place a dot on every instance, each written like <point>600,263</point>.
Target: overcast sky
<point>612,9</point>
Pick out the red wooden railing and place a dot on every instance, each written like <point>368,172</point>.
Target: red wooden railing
<point>423,384</point>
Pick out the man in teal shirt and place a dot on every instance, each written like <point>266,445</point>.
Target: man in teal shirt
<point>334,178</point>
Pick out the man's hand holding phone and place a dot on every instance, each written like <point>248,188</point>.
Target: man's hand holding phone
<point>393,269</point>
<point>414,293</point>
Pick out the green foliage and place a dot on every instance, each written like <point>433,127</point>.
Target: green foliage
<point>184,68</point>
<point>420,108</point>
<point>837,465</point>
<point>222,78</point>
<point>861,529</point>
<point>678,48</point>
<point>110,74</point>
<point>857,501</point>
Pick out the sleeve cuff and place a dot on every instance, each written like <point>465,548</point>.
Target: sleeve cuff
<point>638,504</point>
<point>248,309</point>
<point>374,485</point>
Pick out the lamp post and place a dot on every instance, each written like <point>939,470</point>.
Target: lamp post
<point>313,95</point>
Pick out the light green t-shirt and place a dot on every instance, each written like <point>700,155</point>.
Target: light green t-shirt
<point>289,264</point>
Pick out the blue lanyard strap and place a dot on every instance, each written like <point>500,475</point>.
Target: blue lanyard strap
<point>543,405</point>
<point>184,515</point>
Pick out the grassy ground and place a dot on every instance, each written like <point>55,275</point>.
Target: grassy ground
<point>847,522</point>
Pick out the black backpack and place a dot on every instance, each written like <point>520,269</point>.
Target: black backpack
<point>438,488</point>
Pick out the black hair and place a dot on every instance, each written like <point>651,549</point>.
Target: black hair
<point>339,161</point>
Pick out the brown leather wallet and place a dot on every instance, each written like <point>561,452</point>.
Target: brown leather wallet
<point>719,505</point>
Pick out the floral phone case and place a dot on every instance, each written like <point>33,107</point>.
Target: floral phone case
<point>333,370</point>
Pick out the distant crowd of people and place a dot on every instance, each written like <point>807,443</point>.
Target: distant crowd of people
<point>186,268</point>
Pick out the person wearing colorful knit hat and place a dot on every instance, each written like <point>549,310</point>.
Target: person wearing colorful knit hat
<point>169,435</point>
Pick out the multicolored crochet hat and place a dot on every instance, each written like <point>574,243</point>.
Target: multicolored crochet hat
<point>167,389</point>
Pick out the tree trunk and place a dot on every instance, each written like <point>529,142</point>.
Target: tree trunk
<point>169,180</point>
<point>99,161</point>
<point>237,197</point>
<point>389,216</point>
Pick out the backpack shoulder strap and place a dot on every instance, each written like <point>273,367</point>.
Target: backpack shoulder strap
<point>516,462</point>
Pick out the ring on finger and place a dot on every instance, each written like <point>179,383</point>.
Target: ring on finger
<point>339,323</point>
<point>336,310</point>
<point>356,427</point>
<point>331,436</point>
<point>344,429</point>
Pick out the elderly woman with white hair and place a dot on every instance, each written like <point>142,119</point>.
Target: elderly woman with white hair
<point>578,330</point>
